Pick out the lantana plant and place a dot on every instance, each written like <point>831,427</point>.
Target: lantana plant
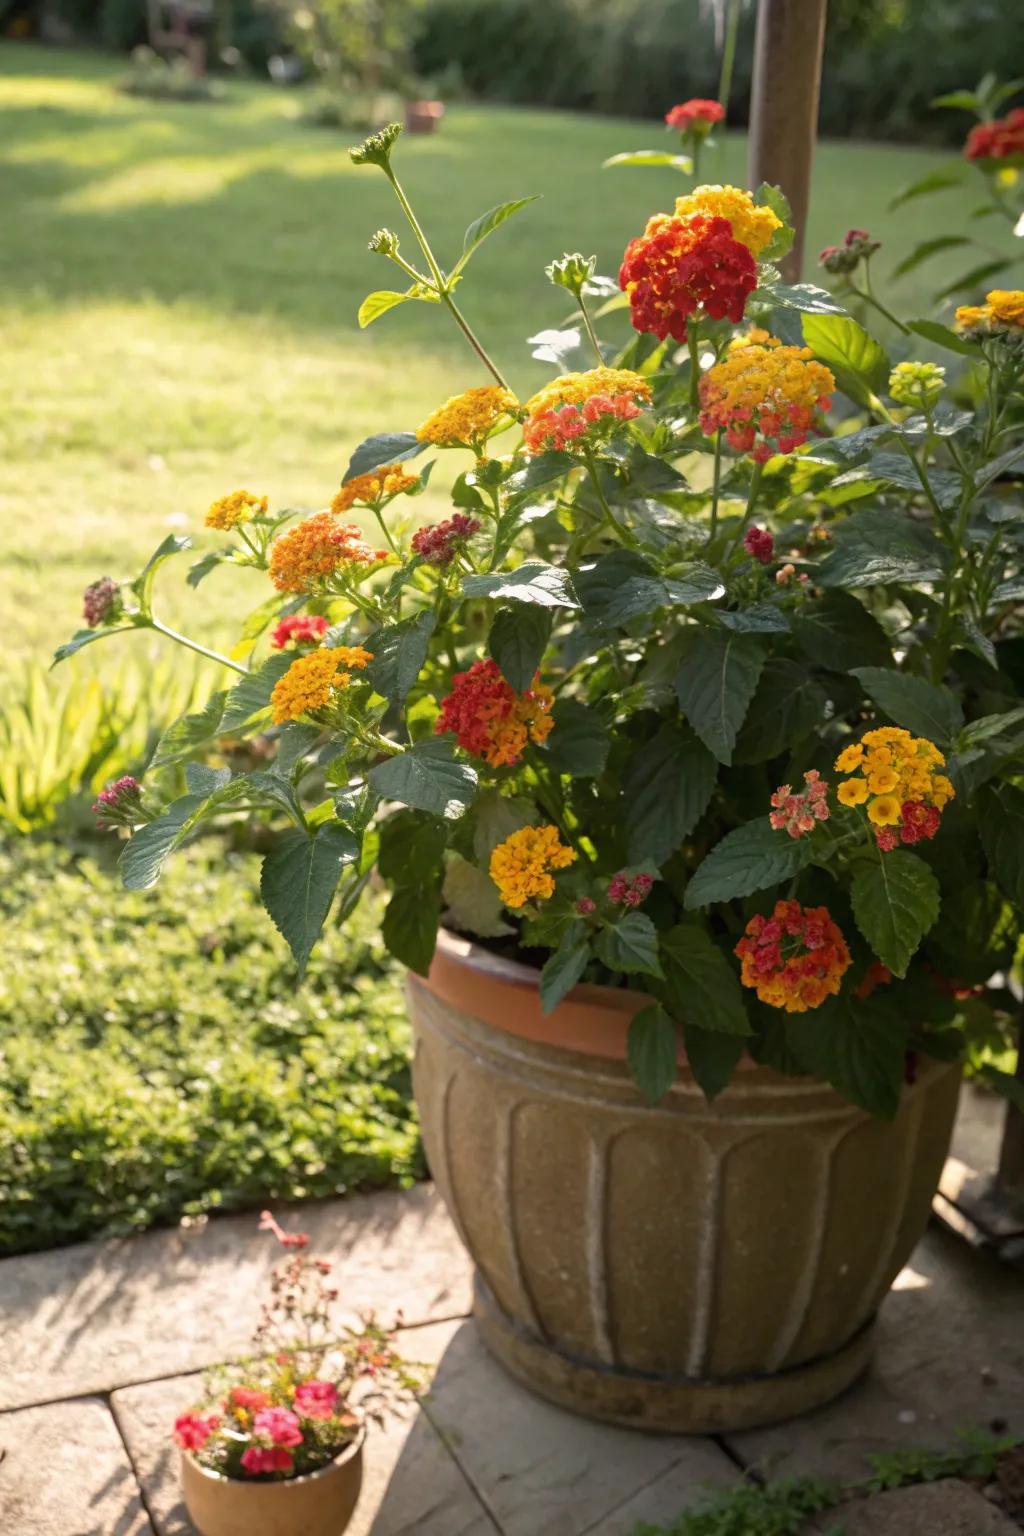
<point>707,685</point>
<point>309,1389</point>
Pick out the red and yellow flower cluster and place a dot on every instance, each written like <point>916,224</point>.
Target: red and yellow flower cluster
<point>313,679</point>
<point>997,140</point>
<point>795,958</point>
<point>308,555</point>
<point>299,629</point>
<point>695,116</point>
<point>765,397</point>
<point>490,719</point>
<point>374,489</point>
<point>521,866</point>
<point>274,1430</point>
<point>566,409</point>
<point>896,776</point>
<point>798,814</point>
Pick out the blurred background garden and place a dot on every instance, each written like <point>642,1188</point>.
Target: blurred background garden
<point>182,256</point>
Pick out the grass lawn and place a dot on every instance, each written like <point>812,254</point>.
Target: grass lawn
<point>179,285</point>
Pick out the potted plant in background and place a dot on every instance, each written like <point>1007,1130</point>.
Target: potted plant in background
<point>699,724</point>
<point>277,1444</point>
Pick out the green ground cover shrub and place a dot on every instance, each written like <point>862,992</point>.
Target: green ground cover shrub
<point>157,1058</point>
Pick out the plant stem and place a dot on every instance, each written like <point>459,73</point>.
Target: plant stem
<point>716,483</point>
<point>691,341</point>
<point>378,514</point>
<point>868,293</point>
<point>470,335</point>
<point>590,330</point>
<point>595,480</point>
<point>732,26</point>
<point>193,645</point>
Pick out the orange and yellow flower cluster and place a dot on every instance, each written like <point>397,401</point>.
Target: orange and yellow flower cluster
<point>795,958</point>
<point>564,410</point>
<point>765,398</point>
<point>238,507</point>
<point>521,866</point>
<point>309,554</point>
<point>312,680</point>
<point>752,224</point>
<point>1002,313</point>
<point>895,775</point>
<point>490,719</point>
<point>467,420</point>
<point>373,489</point>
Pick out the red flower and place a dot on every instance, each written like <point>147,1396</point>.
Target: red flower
<point>249,1398</point>
<point>316,1399</point>
<point>258,1459</point>
<point>695,113</point>
<point>492,720</point>
<point>794,959</point>
<point>629,892</point>
<point>192,1432</point>
<point>759,543</point>
<point>302,628</point>
<point>438,543</point>
<point>679,265</point>
<point>280,1425</point>
<point>997,140</point>
<point>918,822</point>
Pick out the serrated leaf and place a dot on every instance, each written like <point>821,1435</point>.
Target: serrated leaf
<point>858,362</point>
<point>517,641</point>
<point>805,297</point>
<point>836,632</point>
<point>653,157</point>
<point>579,743</point>
<point>549,586</point>
<point>377,304</point>
<point>781,242</point>
<point>859,1047</point>
<point>787,706</point>
<point>412,848</point>
<point>202,567</point>
<point>996,467</point>
<point>630,945</point>
<point>410,923</point>
<point>190,733</point>
<point>298,880</point>
<point>651,1052</point>
<point>715,685</point>
<point>1001,828</point>
<point>252,695</point>
<point>485,225</point>
<point>701,987</point>
<point>204,780</point>
<point>564,967</point>
<point>145,853</point>
<point>895,901</point>
<point>428,777</point>
<point>873,547</point>
<point>711,1057</point>
<point>382,449</point>
<point>496,817</point>
<point>667,785</point>
<point>622,585</point>
<point>293,743</point>
<point>472,899</point>
<point>896,469</point>
<point>748,859</point>
<point>926,709</point>
<point>758,619</point>
<point>399,654</point>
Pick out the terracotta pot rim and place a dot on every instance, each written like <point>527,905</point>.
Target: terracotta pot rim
<point>478,958</point>
<point>348,1453</point>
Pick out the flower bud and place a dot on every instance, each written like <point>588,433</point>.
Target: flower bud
<point>101,602</point>
<point>571,272</point>
<point>384,243</point>
<point>120,803</point>
<point>917,384</point>
<point>376,150</point>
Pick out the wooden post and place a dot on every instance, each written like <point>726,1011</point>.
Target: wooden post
<point>784,108</point>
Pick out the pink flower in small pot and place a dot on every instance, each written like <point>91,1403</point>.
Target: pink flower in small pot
<point>316,1399</point>
<point>192,1432</point>
<point>280,1425</point>
<point>258,1459</point>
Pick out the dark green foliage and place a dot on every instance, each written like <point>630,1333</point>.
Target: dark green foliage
<point>778,1509</point>
<point>159,1060</point>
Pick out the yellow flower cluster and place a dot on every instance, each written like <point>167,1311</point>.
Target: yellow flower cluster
<point>312,679</point>
<point>238,507</point>
<point>521,866</point>
<point>892,768</point>
<point>371,488</point>
<point>577,388</point>
<point>309,554</point>
<point>753,225</point>
<point>757,393</point>
<point>1002,311</point>
<point>468,419</point>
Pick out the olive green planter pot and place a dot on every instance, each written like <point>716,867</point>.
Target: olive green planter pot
<point>688,1267</point>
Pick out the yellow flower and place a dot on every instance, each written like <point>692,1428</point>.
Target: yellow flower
<point>877,759</point>
<point>238,507</point>
<point>971,317</point>
<point>1006,306</point>
<point>521,865</point>
<point>467,420</point>
<point>885,811</point>
<point>577,388</point>
<point>942,791</point>
<point>849,759</point>
<point>852,792</point>
<point>883,781</point>
<point>765,399</point>
<point>381,485</point>
<point>311,681</point>
<point>753,225</point>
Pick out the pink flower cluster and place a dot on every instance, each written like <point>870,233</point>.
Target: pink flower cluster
<point>438,543</point>
<point>316,1399</point>
<point>797,814</point>
<point>629,891</point>
<point>557,428</point>
<point>759,543</point>
<point>299,629</point>
<point>101,601</point>
<point>119,803</point>
<point>191,1431</point>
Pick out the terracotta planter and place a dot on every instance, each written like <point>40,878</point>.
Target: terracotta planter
<point>318,1505</point>
<point>423,116</point>
<point>688,1267</point>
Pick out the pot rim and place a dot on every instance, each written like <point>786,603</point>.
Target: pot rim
<point>347,1453</point>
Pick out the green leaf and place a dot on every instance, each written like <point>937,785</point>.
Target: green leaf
<point>382,449</point>
<point>926,249</point>
<point>539,471</point>
<point>859,1046</point>
<point>1001,827</point>
<point>935,181</point>
<point>563,969</point>
<point>942,336</point>
<point>702,988</point>
<point>655,157</point>
<point>412,848</point>
<point>630,945</point>
<point>428,777</point>
<point>142,586</point>
<point>667,785</point>
<point>874,547</point>
<point>895,901</point>
<point>712,1057</point>
<point>715,685</point>
<point>621,586</point>
<point>399,654</point>
<point>83,637</point>
<point>201,568</point>
<point>579,743</point>
<point>748,859</point>
<point>926,709</point>
<point>651,1052</point>
<point>996,467</point>
<point>143,856</point>
<point>495,817</point>
<point>836,632</point>
<point>787,706</point>
<point>518,640</point>
<point>485,225</point>
<point>534,581</point>
<point>858,362</point>
<point>204,780</point>
<point>896,469</point>
<point>190,733</point>
<point>758,619</point>
<point>294,742</point>
<point>805,297</point>
<point>472,900</point>
<point>410,923</point>
<point>781,242</point>
<point>298,881</point>
<point>252,695</point>
<point>377,304</point>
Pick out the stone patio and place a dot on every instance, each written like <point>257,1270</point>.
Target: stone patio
<point>102,1344</point>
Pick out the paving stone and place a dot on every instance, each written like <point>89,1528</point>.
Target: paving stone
<point>686,1483</point>
<point>411,1486</point>
<point>64,1472</point>
<point>933,1509</point>
<point>104,1314</point>
<point>950,1356</point>
<point>543,1472</point>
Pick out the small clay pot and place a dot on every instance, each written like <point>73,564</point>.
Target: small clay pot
<point>423,116</point>
<point>320,1504</point>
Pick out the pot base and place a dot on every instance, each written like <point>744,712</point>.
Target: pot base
<point>666,1404</point>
